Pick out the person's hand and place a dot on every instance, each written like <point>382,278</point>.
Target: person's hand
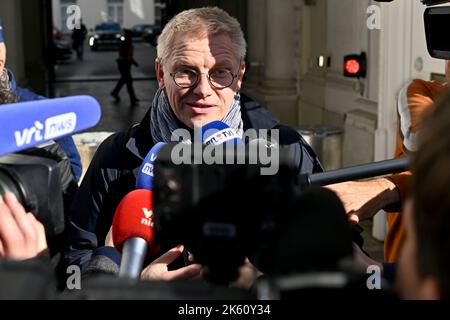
<point>362,200</point>
<point>22,237</point>
<point>109,242</point>
<point>247,276</point>
<point>364,261</point>
<point>158,269</point>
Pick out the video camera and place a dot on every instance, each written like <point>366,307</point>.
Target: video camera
<point>224,213</point>
<point>221,212</point>
<point>36,175</point>
<point>425,2</point>
<point>433,2</point>
<point>437,22</point>
<point>36,182</point>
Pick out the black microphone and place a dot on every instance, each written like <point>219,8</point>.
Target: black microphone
<point>357,172</point>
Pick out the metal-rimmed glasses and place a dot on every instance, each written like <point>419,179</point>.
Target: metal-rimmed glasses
<point>218,78</point>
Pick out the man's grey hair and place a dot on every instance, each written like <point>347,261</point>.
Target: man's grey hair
<point>200,22</point>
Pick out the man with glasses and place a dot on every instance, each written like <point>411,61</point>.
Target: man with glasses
<point>200,67</point>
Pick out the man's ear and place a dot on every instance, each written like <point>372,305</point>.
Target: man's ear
<point>159,73</point>
<point>241,75</point>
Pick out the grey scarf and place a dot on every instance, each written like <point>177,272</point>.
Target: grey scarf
<point>163,121</point>
<point>4,80</point>
<point>7,96</point>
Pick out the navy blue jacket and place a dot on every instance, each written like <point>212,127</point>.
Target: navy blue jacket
<point>66,143</point>
<point>113,170</point>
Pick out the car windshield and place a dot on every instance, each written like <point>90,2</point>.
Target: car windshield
<point>108,27</point>
<point>140,27</point>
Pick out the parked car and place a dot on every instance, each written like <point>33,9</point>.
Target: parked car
<point>106,35</point>
<point>138,32</point>
<point>62,49</point>
<point>151,34</point>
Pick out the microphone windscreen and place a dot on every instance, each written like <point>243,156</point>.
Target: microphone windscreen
<point>134,219</point>
<point>144,179</point>
<point>29,124</point>
<point>217,132</point>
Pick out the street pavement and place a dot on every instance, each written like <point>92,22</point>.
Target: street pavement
<point>97,75</point>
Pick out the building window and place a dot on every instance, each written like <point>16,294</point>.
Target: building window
<point>115,11</point>
<point>160,7</point>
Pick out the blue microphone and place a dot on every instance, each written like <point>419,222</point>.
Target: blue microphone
<point>144,179</point>
<point>27,124</point>
<point>217,132</point>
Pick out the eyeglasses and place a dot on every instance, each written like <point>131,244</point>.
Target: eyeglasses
<point>218,78</point>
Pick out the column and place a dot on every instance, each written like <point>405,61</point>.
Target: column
<point>280,64</point>
<point>279,86</point>
<point>256,15</point>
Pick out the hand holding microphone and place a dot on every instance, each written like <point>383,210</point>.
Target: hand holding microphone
<point>158,269</point>
<point>132,232</point>
<point>214,133</point>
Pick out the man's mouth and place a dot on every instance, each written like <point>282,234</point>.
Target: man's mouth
<point>200,108</point>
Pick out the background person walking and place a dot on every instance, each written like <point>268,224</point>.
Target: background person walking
<point>124,62</point>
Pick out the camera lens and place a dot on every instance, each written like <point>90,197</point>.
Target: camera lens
<point>8,183</point>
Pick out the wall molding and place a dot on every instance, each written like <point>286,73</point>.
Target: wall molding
<point>314,78</point>
<point>338,81</point>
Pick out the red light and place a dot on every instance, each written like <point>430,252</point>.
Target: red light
<point>352,66</point>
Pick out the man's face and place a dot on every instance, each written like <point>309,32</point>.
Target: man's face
<point>410,285</point>
<point>203,103</point>
<point>2,56</point>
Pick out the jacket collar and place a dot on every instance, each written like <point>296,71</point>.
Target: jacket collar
<point>256,116</point>
<point>12,81</point>
<point>253,114</point>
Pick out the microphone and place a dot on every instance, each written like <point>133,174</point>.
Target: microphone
<point>132,231</point>
<point>28,124</point>
<point>363,171</point>
<point>144,179</point>
<point>218,132</point>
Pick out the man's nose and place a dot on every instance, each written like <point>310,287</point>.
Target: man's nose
<point>203,87</point>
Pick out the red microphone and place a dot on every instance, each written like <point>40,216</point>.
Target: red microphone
<point>132,232</point>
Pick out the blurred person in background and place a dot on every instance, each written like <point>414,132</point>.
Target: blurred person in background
<point>124,63</point>
<point>8,83</point>
<point>78,39</point>
<point>424,263</point>
<point>363,199</point>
